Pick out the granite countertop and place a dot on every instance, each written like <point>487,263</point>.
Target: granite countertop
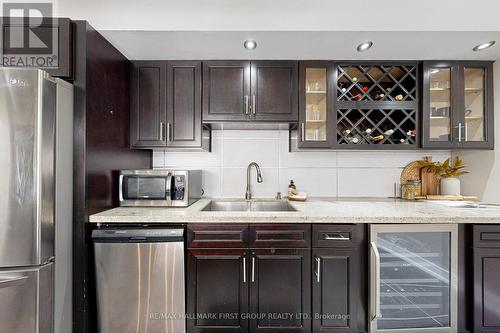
<point>314,210</point>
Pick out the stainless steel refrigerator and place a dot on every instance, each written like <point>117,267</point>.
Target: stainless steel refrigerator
<point>36,121</point>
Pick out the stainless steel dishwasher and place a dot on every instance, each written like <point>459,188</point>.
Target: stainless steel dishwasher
<point>140,280</point>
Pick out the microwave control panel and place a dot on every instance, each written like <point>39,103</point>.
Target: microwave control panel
<point>178,188</point>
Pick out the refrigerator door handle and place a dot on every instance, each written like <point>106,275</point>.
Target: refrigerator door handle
<point>375,281</point>
<point>12,281</point>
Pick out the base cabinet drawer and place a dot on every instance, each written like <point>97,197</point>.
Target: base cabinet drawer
<point>280,236</point>
<point>217,236</point>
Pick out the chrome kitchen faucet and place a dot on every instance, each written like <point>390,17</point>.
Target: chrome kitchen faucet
<point>248,193</point>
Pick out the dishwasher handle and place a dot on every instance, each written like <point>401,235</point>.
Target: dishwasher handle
<point>138,235</point>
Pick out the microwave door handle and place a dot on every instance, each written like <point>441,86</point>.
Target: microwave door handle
<point>120,188</point>
<point>168,189</point>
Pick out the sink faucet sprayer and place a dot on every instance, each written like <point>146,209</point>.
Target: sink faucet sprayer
<point>248,193</point>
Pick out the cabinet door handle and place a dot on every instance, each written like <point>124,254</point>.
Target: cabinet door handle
<point>253,269</point>
<point>302,132</point>
<point>169,132</point>
<point>459,132</point>
<point>246,104</point>
<point>375,281</point>
<point>162,131</point>
<point>245,269</point>
<point>254,106</point>
<point>466,130</point>
<point>318,269</point>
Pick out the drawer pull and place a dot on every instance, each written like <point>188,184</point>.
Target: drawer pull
<point>337,236</point>
<point>490,236</point>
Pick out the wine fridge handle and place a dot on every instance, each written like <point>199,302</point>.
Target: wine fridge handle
<point>318,269</point>
<point>302,132</point>
<point>375,281</point>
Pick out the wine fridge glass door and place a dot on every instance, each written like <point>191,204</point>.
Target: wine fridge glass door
<point>413,278</point>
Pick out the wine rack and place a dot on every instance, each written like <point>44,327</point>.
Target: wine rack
<point>377,105</point>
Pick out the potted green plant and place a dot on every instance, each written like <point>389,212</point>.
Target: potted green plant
<point>449,171</point>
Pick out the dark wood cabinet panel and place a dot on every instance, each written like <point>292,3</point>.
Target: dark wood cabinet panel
<point>55,33</point>
<point>280,235</point>
<point>486,290</point>
<point>226,90</point>
<point>217,235</point>
<point>274,90</point>
<point>148,115</point>
<point>486,236</point>
<point>217,290</point>
<point>336,289</point>
<point>280,284</point>
<point>184,104</point>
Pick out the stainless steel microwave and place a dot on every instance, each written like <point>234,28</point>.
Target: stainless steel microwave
<point>159,187</point>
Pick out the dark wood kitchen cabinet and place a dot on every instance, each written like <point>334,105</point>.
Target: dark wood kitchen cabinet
<point>280,290</point>
<point>226,90</point>
<point>148,98</point>
<point>338,286</point>
<point>316,110</point>
<point>458,104</point>
<point>217,290</point>
<point>486,273</point>
<point>166,105</point>
<point>250,91</point>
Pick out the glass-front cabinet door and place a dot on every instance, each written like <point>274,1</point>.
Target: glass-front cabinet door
<point>457,105</point>
<point>315,109</point>
<point>413,278</point>
<point>476,118</point>
<point>440,124</point>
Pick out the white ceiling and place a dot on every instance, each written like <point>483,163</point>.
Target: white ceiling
<point>142,45</point>
<point>293,29</point>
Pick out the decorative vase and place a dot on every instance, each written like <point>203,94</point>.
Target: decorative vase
<point>450,186</point>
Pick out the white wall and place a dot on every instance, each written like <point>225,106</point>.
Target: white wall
<point>319,173</point>
<point>484,166</point>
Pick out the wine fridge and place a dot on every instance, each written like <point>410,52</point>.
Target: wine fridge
<point>413,278</point>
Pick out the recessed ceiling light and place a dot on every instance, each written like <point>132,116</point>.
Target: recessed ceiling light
<point>365,46</point>
<point>434,71</point>
<point>484,46</point>
<point>250,44</point>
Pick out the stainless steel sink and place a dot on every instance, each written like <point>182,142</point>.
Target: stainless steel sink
<point>249,206</point>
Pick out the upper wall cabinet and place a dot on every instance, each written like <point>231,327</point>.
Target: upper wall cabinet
<point>52,48</point>
<point>458,105</point>
<point>250,91</point>
<point>316,93</point>
<point>166,105</point>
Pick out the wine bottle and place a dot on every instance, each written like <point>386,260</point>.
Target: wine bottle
<point>366,131</point>
<point>345,132</point>
<point>389,132</point>
<point>354,140</point>
<point>377,138</point>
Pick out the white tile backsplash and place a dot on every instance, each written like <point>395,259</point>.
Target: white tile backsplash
<point>319,173</point>
<point>234,182</point>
